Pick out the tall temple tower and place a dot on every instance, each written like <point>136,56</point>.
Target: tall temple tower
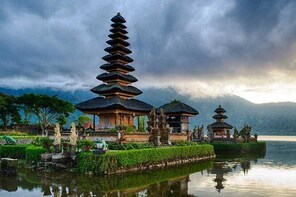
<point>220,127</point>
<point>116,105</point>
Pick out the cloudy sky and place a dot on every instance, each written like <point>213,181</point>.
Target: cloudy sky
<point>201,48</point>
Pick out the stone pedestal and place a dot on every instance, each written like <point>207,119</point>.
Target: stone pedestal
<point>46,157</point>
<point>56,149</point>
<point>8,167</point>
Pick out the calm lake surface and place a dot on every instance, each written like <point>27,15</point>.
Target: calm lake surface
<point>270,174</point>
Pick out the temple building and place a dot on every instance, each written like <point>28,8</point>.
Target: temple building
<point>116,105</point>
<point>178,115</point>
<point>220,127</point>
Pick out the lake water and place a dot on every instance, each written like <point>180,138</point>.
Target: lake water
<point>270,174</point>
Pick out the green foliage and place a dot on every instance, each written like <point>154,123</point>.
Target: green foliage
<point>45,142</point>
<point>86,144</point>
<point>128,146</point>
<point>84,119</point>
<point>13,151</point>
<point>47,109</point>
<point>142,124</point>
<point>8,110</point>
<point>113,130</point>
<point>227,148</point>
<point>129,129</point>
<point>33,154</point>
<point>185,143</point>
<point>113,160</point>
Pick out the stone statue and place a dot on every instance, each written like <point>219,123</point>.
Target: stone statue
<point>73,135</point>
<point>245,133</point>
<point>57,135</point>
<point>152,128</point>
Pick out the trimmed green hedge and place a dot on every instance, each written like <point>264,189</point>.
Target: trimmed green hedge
<point>113,160</point>
<point>13,151</point>
<point>33,153</point>
<point>221,148</point>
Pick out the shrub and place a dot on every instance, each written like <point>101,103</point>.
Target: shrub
<point>13,151</point>
<point>86,144</point>
<point>223,148</point>
<point>113,160</point>
<point>33,153</point>
<point>128,146</point>
<point>185,143</point>
<point>12,133</point>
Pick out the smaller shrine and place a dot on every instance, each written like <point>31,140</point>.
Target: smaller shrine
<point>178,114</point>
<point>220,128</point>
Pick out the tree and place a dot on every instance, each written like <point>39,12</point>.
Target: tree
<point>83,120</point>
<point>47,109</point>
<point>8,110</point>
<point>142,123</point>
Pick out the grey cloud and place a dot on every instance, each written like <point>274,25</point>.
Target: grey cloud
<point>194,39</point>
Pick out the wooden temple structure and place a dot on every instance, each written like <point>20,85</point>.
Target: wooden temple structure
<point>116,104</point>
<point>220,128</point>
<point>178,114</point>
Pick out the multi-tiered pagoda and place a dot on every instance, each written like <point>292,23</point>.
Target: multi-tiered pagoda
<point>116,105</point>
<point>220,127</point>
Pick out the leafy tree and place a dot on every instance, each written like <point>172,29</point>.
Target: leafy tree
<point>8,110</point>
<point>84,119</point>
<point>142,123</point>
<point>47,109</point>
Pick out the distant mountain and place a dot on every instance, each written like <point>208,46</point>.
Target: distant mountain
<point>271,118</point>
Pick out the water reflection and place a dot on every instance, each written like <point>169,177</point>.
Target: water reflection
<point>250,175</point>
<point>167,182</point>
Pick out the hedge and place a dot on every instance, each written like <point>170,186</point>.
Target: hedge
<point>13,151</point>
<point>221,148</point>
<point>113,160</point>
<point>33,153</point>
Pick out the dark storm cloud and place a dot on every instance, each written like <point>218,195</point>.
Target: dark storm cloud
<point>46,42</point>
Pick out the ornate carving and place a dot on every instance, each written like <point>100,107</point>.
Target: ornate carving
<point>152,128</point>
<point>210,133</point>
<point>163,128</point>
<point>198,134</point>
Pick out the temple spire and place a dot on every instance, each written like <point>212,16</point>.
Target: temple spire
<point>117,80</point>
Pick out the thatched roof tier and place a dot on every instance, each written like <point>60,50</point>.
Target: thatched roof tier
<point>117,57</point>
<point>117,48</point>
<point>101,103</point>
<point>118,18</point>
<point>220,116</point>
<point>118,35</point>
<point>220,110</point>
<point>117,41</point>
<point>108,89</point>
<point>118,30</point>
<point>118,25</point>
<point>221,125</point>
<point>116,76</point>
<point>117,65</point>
<point>177,107</point>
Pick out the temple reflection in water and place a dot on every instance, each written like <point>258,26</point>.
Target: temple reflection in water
<point>167,182</point>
